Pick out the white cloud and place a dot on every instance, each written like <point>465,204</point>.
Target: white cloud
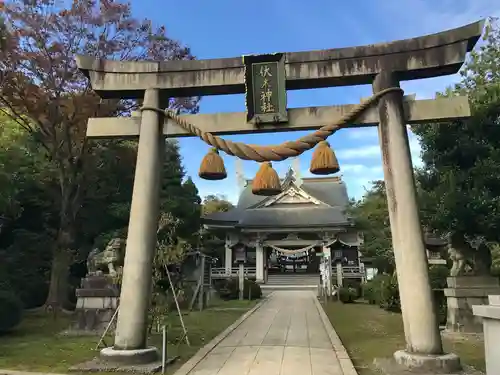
<point>372,151</point>
<point>357,169</point>
<point>430,16</point>
<point>420,17</point>
<point>368,151</point>
<point>362,133</point>
<point>227,188</point>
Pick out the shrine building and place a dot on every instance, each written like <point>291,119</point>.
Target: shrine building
<point>285,236</point>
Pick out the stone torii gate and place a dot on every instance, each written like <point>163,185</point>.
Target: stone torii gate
<point>382,65</point>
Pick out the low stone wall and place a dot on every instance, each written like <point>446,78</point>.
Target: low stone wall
<point>462,293</point>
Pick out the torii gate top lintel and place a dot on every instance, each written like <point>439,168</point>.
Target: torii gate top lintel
<point>421,57</point>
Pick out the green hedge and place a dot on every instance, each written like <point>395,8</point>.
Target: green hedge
<point>229,289</point>
<point>383,290</point>
<point>11,311</point>
<point>348,294</point>
<point>354,284</point>
<point>372,291</point>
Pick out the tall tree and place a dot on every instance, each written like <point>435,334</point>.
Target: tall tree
<point>216,203</point>
<point>108,194</point>
<point>459,184</point>
<point>25,183</point>
<point>213,240</point>
<point>42,90</point>
<point>3,32</point>
<point>179,200</point>
<point>371,215</point>
<point>23,167</point>
<point>14,156</point>
<point>179,196</point>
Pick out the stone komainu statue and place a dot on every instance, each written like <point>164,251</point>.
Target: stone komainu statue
<point>107,261</point>
<point>466,259</point>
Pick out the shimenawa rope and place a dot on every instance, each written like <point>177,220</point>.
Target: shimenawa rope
<point>273,152</point>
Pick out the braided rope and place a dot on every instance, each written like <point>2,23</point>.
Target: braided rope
<point>273,152</point>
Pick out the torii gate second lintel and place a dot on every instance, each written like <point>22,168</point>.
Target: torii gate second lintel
<point>383,66</point>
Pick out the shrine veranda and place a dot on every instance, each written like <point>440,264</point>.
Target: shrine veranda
<point>383,66</point>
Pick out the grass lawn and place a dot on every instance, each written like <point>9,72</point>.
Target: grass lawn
<point>368,332</point>
<point>37,346</point>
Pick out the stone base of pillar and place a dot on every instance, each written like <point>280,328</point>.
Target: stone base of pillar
<point>130,357</point>
<point>462,293</point>
<point>409,363</point>
<point>144,361</point>
<point>435,364</point>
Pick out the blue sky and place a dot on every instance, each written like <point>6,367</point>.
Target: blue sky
<point>229,28</point>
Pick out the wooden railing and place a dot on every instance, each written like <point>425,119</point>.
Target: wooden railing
<point>350,272</point>
<point>221,272</point>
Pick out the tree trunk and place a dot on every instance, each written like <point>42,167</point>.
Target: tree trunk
<point>57,298</point>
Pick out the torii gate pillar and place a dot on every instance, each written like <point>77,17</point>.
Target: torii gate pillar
<point>131,327</point>
<point>421,327</point>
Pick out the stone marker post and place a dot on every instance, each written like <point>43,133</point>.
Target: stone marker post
<point>340,276</point>
<point>423,340</point>
<point>241,280</point>
<point>228,259</point>
<point>259,263</point>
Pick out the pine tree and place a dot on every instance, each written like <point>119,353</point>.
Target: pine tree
<point>178,197</point>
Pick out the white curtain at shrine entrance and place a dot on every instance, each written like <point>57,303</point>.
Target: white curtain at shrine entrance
<point>303,249</point>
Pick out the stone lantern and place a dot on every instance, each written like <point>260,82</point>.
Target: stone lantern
<point>434,246</point>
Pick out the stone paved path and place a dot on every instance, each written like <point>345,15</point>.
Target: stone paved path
<point>285,336</point>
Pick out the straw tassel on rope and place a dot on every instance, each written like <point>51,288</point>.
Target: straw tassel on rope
<point>323,160</point>
<point>212,166</point>
<point>266,181</point>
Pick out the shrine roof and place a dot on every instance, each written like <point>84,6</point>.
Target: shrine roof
<point>280,217</point>
<point>323,203</point>
<point>330,190</point>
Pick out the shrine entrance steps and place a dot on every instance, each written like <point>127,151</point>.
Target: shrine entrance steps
<point>291,281</point>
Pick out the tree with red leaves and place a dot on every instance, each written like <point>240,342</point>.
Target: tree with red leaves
<point>43,91</point>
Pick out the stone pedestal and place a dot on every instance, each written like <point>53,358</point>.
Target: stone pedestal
<point>97,301</point>
<point>490,314</point>
<point>462,293</point>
